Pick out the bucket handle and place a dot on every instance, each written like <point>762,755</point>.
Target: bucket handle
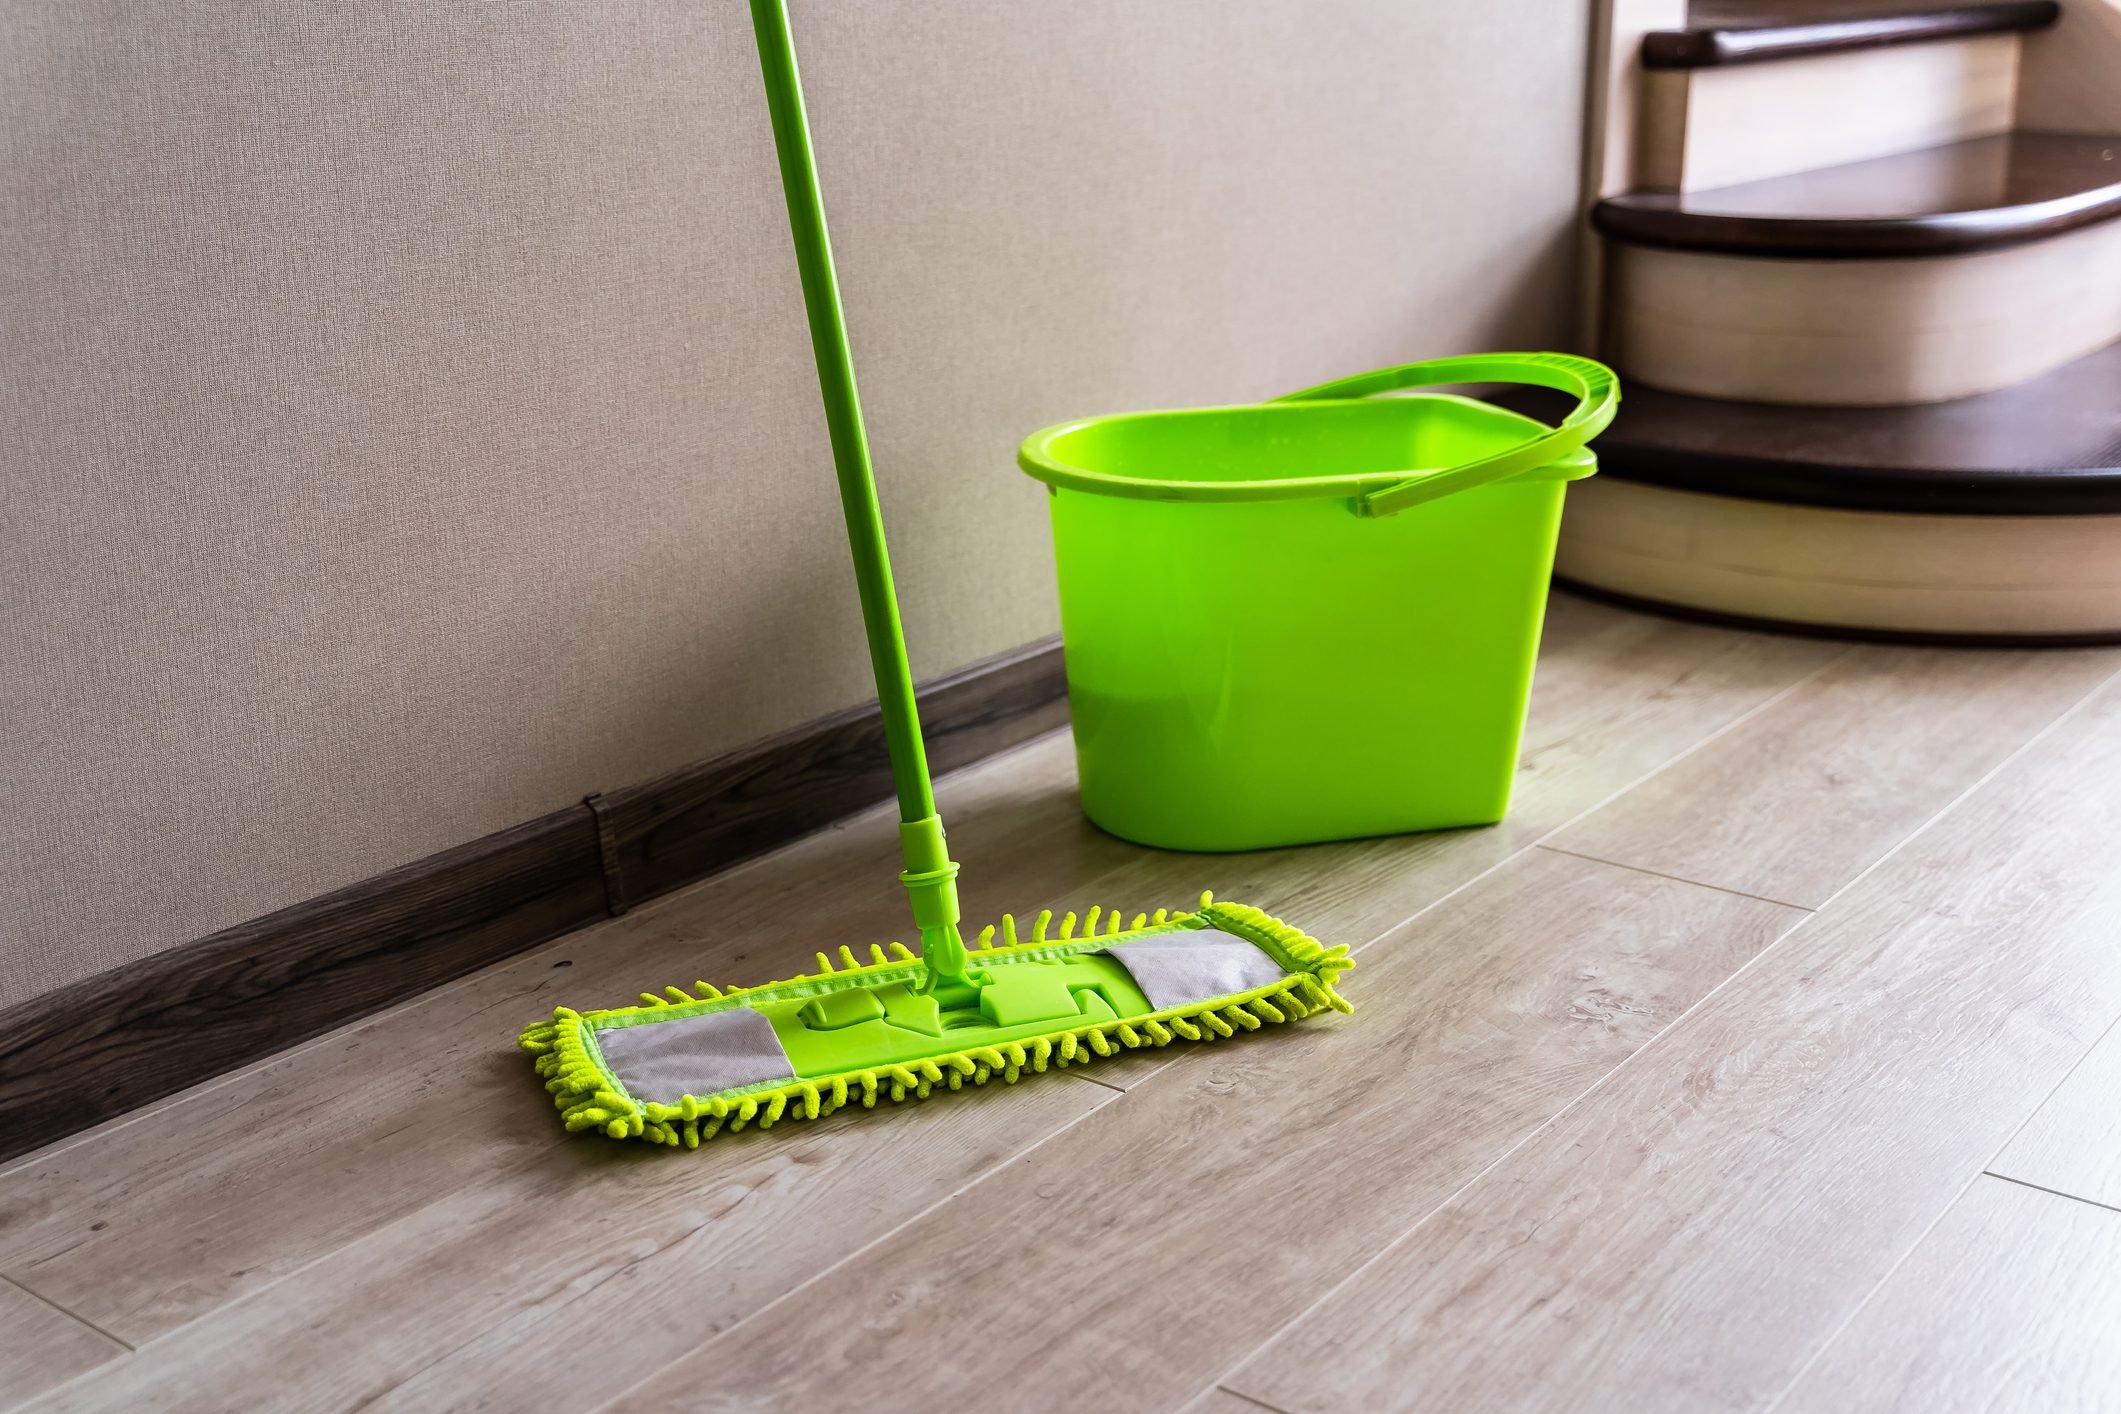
<point>1597,398</point>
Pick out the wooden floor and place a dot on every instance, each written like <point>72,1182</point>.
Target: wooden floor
<point>1763,1059</point>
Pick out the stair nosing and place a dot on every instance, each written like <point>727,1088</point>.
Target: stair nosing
<point>2056,492</point>
<point>1655,219</point>
<point>2049,447</point>
<point>1726,46</point>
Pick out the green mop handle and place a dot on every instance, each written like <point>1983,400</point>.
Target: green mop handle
<point>930,876</point>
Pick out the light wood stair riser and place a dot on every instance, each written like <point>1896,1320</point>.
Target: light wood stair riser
<point>2033,576</point>
<point>2070,75</point>
<point>1711,127</point>
<point>1861,332</point>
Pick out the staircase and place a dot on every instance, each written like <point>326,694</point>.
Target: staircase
<point>1867,322</point>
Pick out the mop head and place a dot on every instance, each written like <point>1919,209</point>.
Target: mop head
<point>684,1068</point>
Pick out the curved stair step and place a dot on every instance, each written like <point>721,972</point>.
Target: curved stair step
<point>1991,518</point>
<point>1720,33</point>
<point>2051,446</point>
<point>1936,274</point>
<point>1982,194</point>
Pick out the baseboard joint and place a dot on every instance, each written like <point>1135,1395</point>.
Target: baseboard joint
<point>615,902</point>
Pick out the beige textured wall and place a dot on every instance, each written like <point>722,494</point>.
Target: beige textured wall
<point>407,426</point>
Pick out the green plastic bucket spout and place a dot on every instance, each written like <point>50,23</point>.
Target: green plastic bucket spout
<point>1314,618</point>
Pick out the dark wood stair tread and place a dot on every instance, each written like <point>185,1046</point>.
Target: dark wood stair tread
<point>2051,446</point>
<point>1725,32</point>
<point>1976,195</point>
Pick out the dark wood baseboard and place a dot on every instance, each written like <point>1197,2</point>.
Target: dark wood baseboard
<point>92,1051</point>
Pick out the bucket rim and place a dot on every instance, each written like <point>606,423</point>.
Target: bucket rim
<point>1036,457</point>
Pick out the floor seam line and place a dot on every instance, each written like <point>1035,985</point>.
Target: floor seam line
<point>1540,841</point>
<point>1941,1215</point>
<point>1531,1134</point>
<point>522,1163</point>
<point>1763,705</point>
<point>1676,878</point>
<point>1115,1089</point>
<point>74,1316</point>
<point>1732,725</point>
<point>1750,963</point>
<point>2052,1192</point>
<point>1863,1302</point>
<point>885,1236</point>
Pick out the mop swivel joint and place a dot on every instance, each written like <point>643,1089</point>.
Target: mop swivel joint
<point>930,877</point>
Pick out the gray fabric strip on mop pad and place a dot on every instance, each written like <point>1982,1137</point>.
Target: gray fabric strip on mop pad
<point>661,1062</point>
<point>1177,969</point>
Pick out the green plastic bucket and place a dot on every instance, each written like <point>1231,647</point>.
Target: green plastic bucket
<point>1314,618</point>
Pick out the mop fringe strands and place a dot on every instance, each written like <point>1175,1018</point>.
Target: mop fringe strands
<point>688,1065</point>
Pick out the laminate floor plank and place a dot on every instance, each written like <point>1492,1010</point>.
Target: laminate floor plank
<point>245,1234</point>
<point>1806,795</point>
<point>42,1347</point>
<point>2009,1306</point>
<point>1176,1228</point>
<point>2073,1145</point>
<point>1693,1231</point>
<point>600,1226</point>
<point>156,1222</point>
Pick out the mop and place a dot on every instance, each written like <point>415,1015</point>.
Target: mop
<point>686,1065</point>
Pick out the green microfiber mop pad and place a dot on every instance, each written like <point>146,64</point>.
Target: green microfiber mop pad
<point>864,1031</point>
